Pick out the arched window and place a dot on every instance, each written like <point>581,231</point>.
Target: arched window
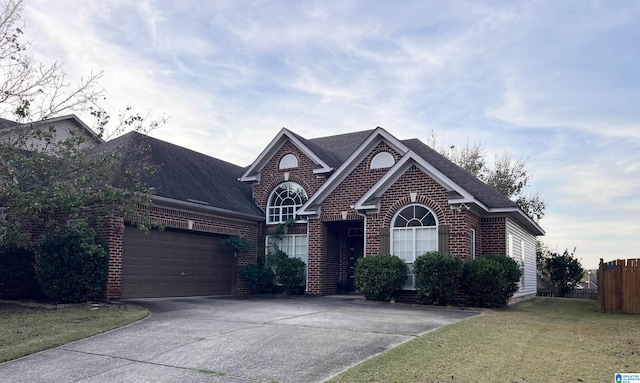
<point>284,202</point>
<point>288,161</point>
<point>414,231</point>
<point>382,160</point>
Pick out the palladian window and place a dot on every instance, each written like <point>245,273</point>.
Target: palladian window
<point>414,231</point>
<point>284,202</point>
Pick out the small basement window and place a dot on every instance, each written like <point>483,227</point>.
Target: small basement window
<point>289,161</point>
<point>382,160</point>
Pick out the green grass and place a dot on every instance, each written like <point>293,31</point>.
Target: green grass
<point>26,330</point>
<point>541,340</point>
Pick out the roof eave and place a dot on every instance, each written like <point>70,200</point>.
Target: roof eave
<point>256,167</point>
<point>342,172</point>
<point>208,209</point>
<point>521,217</point>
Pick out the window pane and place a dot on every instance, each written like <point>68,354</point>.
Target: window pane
<point>420,212</point>
<point>290,196</point>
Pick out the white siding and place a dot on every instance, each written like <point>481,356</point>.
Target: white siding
<point>520,236</point>
<point>63,132</point>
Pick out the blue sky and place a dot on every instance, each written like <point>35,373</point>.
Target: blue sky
<point>557,82</point>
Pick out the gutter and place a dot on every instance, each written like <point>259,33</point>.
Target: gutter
<point>207,209</point>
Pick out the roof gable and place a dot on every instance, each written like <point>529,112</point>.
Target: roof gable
<point>377,135</point>
<point>252,173</point>
<point>371,198</point>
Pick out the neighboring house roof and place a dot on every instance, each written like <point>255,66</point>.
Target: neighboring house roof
<point>8,125</point>
<point>184,175</point>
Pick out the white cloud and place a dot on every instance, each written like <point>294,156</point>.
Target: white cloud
<point>231,74</point>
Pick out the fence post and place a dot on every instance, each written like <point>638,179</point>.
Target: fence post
<point>601,289</point>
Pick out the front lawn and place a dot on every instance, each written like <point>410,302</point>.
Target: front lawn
<point>26,330</point>
<point>541,340</point>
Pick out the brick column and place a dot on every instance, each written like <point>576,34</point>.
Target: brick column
<point>317,256</point>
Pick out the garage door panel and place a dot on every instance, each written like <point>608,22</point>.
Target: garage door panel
<point>175,263</point>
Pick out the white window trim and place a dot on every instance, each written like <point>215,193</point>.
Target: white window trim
<point>280,207</point>
<point>473,243</point>
<point>392,230</point>
<point>296,238</point>
<point>382,160</point>
<point>522,264</point>
<point>289,161</point>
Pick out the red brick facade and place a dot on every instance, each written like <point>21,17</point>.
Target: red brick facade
<point>332,235</point>
<point>328,265</point>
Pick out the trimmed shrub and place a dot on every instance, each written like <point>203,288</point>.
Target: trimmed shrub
<point>289,272</point>
<point>379,277</point>
<point>491,280</point>
<point>72,264</point>
<point>260,279</point>
<point>512,274</point>
<point>437,277</point>
<point>17,273</point>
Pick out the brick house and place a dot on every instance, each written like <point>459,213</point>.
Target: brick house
<point>348,196</point>
<point>368,193</point>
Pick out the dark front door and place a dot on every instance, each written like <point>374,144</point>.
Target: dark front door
<point>355,250</point>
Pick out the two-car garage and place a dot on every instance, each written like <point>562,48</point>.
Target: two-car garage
<point>173,263</point>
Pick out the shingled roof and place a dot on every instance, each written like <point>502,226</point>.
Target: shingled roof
<point>187,176</point>
<point>480,190</point>
<point>340,146</point>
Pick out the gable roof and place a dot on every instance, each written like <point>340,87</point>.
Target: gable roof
<point>252,173</point>
<point>8,125</point>
<point>463,187</point>
<point>482,192</point>
<point>183,175</point>
<point>374,137</point>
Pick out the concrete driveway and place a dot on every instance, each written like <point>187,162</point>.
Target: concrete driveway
<point>234,340</point>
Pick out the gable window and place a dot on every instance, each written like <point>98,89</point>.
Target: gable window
<point>382,160</point>
<point>414,231</point>
<point>473,243</point>
<point>284,202</point>
<point>288,161</point>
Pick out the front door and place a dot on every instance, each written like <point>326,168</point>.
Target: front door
<point>355,250</point>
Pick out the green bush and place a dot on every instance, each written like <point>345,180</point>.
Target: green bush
<point>512,273</point>
<point>289,272</point>
<point>72,264</point>
<point>491,280</point>
<point>437,277</point>
<point>260,279</point>
<point>17,273</point>
<point>379,277</point>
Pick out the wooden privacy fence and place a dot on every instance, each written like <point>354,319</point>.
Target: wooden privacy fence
<point>619,286</point>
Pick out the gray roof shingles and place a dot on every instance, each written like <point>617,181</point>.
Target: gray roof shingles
<point>184,174</point>
<point>480,190</point>
<point>187,175</point>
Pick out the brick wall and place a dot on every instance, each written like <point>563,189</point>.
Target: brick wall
<point>318,260</point>
<point>428,193</point>
<point>494,235</point>
<point>271,175</point>
<point>354,186</point>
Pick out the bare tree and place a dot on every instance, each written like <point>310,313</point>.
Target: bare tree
<point>45,175</point>
<point>507,174</point>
